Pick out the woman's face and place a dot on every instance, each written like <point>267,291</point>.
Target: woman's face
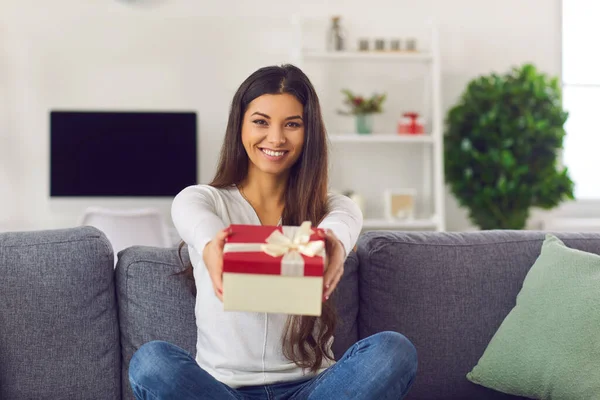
<point>273,132</point>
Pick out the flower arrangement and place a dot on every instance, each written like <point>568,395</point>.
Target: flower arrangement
<point>360,105</point>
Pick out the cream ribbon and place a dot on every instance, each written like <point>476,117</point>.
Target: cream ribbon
<point>291,244</point>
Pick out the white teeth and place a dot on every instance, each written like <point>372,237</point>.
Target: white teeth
<point>273,153</point>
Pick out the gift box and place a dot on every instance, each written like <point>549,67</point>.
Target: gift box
<point>274,269</point>
<point>411,123</point>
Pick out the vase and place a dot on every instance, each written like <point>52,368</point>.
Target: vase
<point>364,123</point>
<point>336,36</point>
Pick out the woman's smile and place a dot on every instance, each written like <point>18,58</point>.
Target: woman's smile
<point>273,155</point>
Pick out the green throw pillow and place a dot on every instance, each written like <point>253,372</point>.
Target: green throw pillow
<point>548,346</point>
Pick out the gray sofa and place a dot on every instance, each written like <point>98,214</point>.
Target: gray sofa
<point>69,322</point>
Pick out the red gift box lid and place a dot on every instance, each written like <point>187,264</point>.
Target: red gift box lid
<point>259,262</point>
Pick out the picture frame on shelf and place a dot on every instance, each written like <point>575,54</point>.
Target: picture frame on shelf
<point>400,204</point>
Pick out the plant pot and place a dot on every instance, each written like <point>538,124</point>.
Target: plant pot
<point>364,124</point>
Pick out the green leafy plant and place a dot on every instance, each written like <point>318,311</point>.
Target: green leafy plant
<point>361,105</point>
<point>501,148</point>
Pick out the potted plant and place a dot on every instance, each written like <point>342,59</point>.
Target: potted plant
<point>501,148</point>
<point>363,108</point>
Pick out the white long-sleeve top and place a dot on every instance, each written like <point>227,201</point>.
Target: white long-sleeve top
<point>242,348</point>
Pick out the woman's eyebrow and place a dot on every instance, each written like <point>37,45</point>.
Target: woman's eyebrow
<point>261,114</point>
<point>267,117</point>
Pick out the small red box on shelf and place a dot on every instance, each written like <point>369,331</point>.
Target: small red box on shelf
<point>411,124</point>
<point>274,269</point>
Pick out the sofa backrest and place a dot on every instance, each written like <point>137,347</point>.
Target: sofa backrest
<point>157,304</point>
<point>59,332</point>
<point>448,293</point>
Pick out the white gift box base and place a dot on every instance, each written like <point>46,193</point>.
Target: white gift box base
<point>296,295</point>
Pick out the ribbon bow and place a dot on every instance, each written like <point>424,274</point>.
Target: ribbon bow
<point>293,242</point>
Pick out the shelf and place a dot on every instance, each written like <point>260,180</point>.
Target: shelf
<point>345,142</point>
<point>367,55</point>
<point>379,138</point>
<point>399,224</point>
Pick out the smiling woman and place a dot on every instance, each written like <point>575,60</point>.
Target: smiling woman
<point>272,171</point>
<point>277,111</point>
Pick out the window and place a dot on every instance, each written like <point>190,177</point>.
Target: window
<point>581,94</point>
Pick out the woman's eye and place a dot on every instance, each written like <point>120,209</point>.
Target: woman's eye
<point>260,122</point>
<point>294,125</point>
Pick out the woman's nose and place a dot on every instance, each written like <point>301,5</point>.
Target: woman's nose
<point>276,136</point>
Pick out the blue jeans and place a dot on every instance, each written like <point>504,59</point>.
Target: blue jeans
<point>381,367</point>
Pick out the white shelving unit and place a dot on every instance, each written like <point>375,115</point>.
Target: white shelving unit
<point>430,144</point>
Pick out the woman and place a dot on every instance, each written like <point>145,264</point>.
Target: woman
<point>272,170</point>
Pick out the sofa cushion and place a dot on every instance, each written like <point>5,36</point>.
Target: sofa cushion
<point>154,303</point>
<point>59,333</point>
<point>548,343</point>
<point>448,293</point>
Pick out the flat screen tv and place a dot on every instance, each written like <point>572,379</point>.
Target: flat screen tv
<point>122,154</point>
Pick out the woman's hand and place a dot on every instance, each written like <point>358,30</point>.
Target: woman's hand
<point>213,259</point>
<point>336,255</point>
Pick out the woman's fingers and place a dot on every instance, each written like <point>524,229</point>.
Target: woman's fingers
<point>217,278</point>
<point>329,290</point>
<point>330,274</point>
<point>222,237</point>
<point>214,261</point>
<point>335,264</point>
<point>335,255</point>
<point>218,293</point>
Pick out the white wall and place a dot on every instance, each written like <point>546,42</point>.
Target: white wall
<point>191,55</point>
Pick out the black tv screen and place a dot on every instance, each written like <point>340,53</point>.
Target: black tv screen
<point>131,154</point>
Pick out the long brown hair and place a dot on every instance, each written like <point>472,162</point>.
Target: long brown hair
<point>306,339</point>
